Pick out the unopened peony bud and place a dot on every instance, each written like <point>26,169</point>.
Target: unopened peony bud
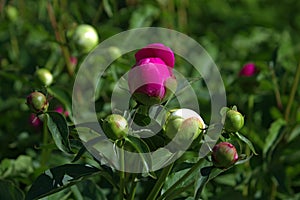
<point>184,122</point>
<point>234,121</point>
<point>44,76</point>
<point>248,70</point>
<point>224,155</point>
<point>115,126</point>
<point>37,102</point>
<point>85,37</point>
<point>152,76</point>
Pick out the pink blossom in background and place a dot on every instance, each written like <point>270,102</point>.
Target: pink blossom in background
<point>73,60</point>
<point>248,69</point>
<point>61,110</point>
<point>35,121</point>
<point>153,67</point>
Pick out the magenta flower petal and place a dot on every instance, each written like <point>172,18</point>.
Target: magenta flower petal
<point>59,109</point>
<point>153,61</point>
<point>35,121</point>
<point>156,50</point>
<point>148,78</point>
<point>248,69</point>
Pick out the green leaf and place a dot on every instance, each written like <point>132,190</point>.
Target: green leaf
<point>174,177</point>
<point>202,180</point>
<point>234,108</point>
<point>81,151</point>
<point>142,148</point>
<point>58,178</point>
<point>58,127</point>
<point>294,133</point>
<point>274,131</point>
<point>9,191</point>
<point>223,112</point>
<point>107,8</point>
<point>20,167</point>
<point>243,159</point>
<point>142,120</point>
<point>247,141</point>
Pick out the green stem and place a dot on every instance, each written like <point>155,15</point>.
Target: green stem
<point>160,182</point>
<point>133,188</point>
<point>276,89</point>
<point>122,174</point>
<point>179,191</point>
<point>183,178</point>
<point>45,151</point>
<point>60,38</point>
<point>292,94</point>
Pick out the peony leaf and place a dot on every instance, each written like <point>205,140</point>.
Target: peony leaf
<point>9,191</point>
<point>142,148</point>
<point>59,178</point>
<point>247,141</point>
<point>58,127</point>
<point>202,180</point>
<point>274,132</point>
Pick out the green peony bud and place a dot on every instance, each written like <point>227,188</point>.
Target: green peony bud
<point>44,76</point>
<point>12,13</point>
<point>234,121</point>
<point>85,37</point>
<point>184,122</point>
<point>115,126</point>
<point>37,102</point>
<point>224,155</point>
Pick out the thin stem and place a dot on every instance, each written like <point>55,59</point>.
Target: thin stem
<point>133,188</point>
<point>45,151</point>
<point>292,94</point>
<point>122,174</point>
<point>60,39</point>
<point>160,182</point>
<point>179,191</point>
<point>276,89</point>
<point>183,178</point>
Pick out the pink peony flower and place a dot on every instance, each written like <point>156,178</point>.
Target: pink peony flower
<point>153,68</point>
<point>248,69</point>
<point>156,50</point>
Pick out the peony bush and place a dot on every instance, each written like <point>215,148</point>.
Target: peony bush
<point>152,127</point>
<point>147,83</point>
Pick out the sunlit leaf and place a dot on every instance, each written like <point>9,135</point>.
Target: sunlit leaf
<point>247,141</point>
<point>274,131</point>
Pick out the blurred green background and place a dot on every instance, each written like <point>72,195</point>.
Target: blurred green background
<point>34,34</point>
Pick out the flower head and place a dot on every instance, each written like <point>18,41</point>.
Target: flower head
<point>148,77</point>
<point>224,155</point>
<point>157,50</point>
<point>248,69</point>
<point>37,102</point>
<point>183,121</point>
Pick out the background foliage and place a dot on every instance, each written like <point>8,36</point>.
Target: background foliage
<point>34,34</point>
